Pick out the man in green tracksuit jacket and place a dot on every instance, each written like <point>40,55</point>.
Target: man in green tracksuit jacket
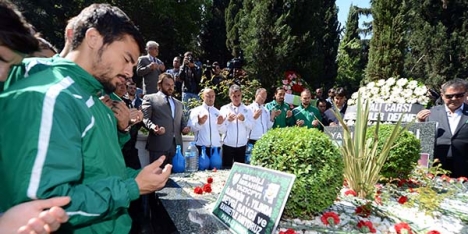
<point>279,110</point>
<point>306,114</point>
<point>59,139</point>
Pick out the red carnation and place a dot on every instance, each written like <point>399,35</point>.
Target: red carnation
<point>330,218</point>
<point>289,231</point>
<point>207,188</point>
<point>198,190</point>
<point>402,228</point>
<point>209,180</point>
<point>297,88</point>
<point>401,182</point>
<point>363,211</point>
<point>433,232</point>
<point>350,192</point>
<point>366,226</point>
<point>402,200</point>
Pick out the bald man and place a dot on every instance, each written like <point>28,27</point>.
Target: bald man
<point>207,123</point>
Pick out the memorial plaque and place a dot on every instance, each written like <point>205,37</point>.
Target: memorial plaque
<point>253,199</point>
<point>425,132</point>
<point>389,112</point>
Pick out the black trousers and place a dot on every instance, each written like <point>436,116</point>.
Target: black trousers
<point>252,142</point>
<point>233,154</point>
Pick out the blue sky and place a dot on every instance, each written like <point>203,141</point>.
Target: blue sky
<point>344,5</point>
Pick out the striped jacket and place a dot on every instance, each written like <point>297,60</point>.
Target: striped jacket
<point>57,138</point>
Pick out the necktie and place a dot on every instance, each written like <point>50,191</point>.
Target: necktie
<point>170,106</point>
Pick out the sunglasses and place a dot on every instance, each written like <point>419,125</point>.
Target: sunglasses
<point>456,95</point>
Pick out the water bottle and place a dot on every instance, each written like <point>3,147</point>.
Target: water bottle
<point>178,162</point>
<point>248,153</point>
<point>191,158</point>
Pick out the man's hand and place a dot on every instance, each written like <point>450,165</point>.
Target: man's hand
<point>152,178</point>
<point>202,119</point>
<point>288,113</point>
<point>231,117</point>
<point>159,130</point>
<point>422,115</point>
<point>122,114</point>
<point>35,216</point>
<point>240,117</point>
<point>300,122</point>
<point>315,123</point>
<point>136,116</point>
<point>257,113</point>
<point>275,113</point>
<point>106,100</point>
<point>161,67</point>
<point>220,119</point>
<point>186,130</point>
<point>153,66</point>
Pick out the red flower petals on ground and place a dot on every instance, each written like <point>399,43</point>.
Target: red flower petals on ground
<point>209,180</point>
<point>402,228</point>
<point>207,188</point>
<point>198,190</point>
<point>402,200</point>
<point>289,231</point>
<point>330,218</point>
<point>433,232</point>
<point>366,226</point>
<point>363,211</point>
<point>350,192</point>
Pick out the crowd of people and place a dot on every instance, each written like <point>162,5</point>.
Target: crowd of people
<point>75,163</point>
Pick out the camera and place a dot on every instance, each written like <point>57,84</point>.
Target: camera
<point>235,63</point>
<point>190,59</point>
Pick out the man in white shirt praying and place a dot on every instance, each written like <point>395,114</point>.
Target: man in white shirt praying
<point>262,118</point>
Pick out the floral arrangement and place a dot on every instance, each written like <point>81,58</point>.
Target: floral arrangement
<point>293,83</point>
<point>400,206</point>
<point>392,90</point>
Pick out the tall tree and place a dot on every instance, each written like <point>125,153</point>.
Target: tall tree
<point>213,36</point>
<point>387,45</point>
<point>281,35</point>
<point>233,15</point>
<point>352,54</point>
<point>437,42</point>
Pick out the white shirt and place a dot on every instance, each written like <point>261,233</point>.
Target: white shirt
<point>262,123</point>
<point>237,131</point>
<point>454,118</point>
<point>209,133</point>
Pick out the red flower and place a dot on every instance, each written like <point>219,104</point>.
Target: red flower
<point>330,218</point>
<point>289,231</point>
<point>366,226</point>
<point>378,200</point>
<point>364,210</point>
<point>445,178</point>
<point>433,232</point>
<point>401,182</point>
<point>209,180</point>
<point>412,190</point>
<point>462,179</point>
<point>350,192</point>
<point>402,200</point>
<point>297,88</point>
<point>198,190</point>
<point>215,170</point>
<point>207,188</point>
<point>402,228</point>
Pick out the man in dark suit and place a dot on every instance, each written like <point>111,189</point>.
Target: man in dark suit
<point>150,67</point>
<point>452,127</point>
<point>163,116</point>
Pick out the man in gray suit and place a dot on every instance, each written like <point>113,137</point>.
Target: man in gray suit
<point>150,67</point>
<point>452,127</point>
<point>163,116</point>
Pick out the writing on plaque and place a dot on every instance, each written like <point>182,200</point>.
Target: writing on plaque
<point>253,199</point>
<point>425,132</point>
<point>389,112</point>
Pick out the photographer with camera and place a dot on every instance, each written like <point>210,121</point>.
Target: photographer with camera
<point>190,76</point>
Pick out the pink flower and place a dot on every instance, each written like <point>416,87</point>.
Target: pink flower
<point>403,228</point>
<point>285,82</point>
<point>350,192</point>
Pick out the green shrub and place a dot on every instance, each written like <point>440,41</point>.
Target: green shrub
<point>403,155</point>
<point>312,157</point>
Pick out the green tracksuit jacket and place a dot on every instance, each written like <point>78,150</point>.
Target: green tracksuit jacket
<point>57,138</point>
<point>281,120</point>
<point>30,66</point>
<point>308,114</point>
